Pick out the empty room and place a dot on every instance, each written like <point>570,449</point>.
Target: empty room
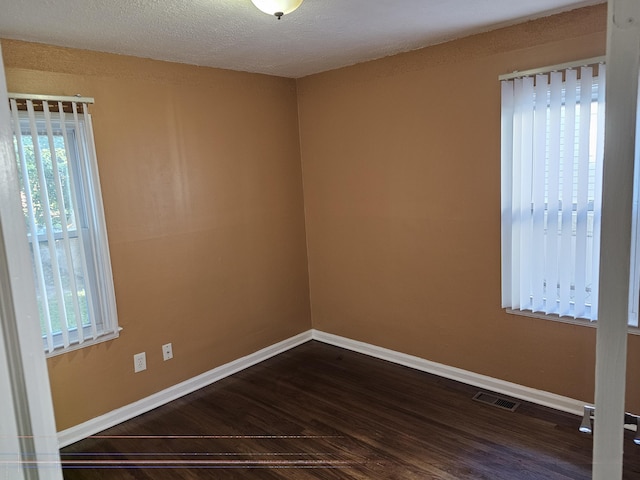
<point>245,242</point>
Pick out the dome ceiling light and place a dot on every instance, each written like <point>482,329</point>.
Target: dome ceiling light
<point>277,7</point>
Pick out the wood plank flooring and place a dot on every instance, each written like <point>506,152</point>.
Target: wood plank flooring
<point>321,412</point>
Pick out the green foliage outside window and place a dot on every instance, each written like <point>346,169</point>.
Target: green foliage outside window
<point>38,195</point>
<point>36,188</point>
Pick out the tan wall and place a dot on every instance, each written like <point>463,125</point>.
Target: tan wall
<point>401,170</point>
<point>200,173</point>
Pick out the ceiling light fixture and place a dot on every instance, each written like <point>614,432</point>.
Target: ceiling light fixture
<point>277,7</point>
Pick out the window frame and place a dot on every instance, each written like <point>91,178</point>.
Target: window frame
<point>634,281</point>
<point>91,229</point>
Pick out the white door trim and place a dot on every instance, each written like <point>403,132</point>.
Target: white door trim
<point>24,369</point>
<point>623,67</point>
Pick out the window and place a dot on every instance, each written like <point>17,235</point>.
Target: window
<point>552,154</point>
<point>61,200</point>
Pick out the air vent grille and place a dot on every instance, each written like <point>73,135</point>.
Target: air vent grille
<point>496,401</point>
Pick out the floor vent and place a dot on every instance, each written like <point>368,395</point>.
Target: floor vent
<point>496,401</point>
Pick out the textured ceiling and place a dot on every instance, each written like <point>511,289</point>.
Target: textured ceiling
<point>321,35</point>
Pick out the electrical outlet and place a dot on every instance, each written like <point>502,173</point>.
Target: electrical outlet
<point>167,352</point>
<point>139,362</point>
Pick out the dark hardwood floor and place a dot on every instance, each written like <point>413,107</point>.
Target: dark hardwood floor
<point>321,412</point>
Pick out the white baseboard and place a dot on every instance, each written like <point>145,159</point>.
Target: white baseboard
<point>110,419</point>
<point>484,382</point>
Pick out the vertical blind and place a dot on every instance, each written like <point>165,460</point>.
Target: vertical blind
<point>552,154</point>
<point>63,214</point>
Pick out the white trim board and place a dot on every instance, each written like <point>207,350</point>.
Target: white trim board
<point>114,417</point>
<point>110,419</point>
<point>521,392</point>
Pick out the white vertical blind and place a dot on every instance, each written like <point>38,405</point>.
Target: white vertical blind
<point>539,174</point>
<point>72,189</point>
<point>597,192</point>
<point>63,211</point>
<point>523,189</point>
<point>506,215</point>
<point>553,207</point>
<point>582,200</point>
<point>567,132</point>
<point>552,136</point>
<point>87,154</point>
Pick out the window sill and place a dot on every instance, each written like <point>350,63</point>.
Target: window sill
<point>572,321</point>
<point>77,346</point>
